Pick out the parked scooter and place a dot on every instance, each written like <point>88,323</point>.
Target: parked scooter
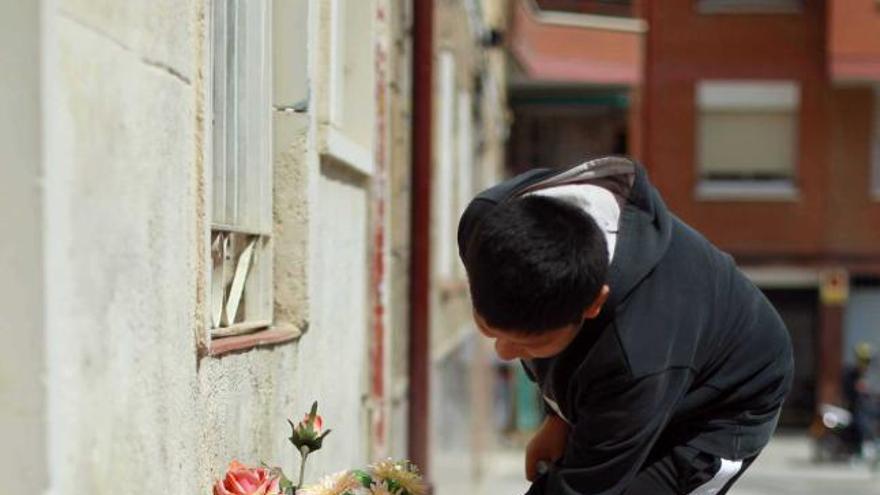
<point>834,436</point>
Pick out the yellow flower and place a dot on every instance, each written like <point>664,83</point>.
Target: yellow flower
<point>380,489</point>
<point>334,484</point>
<point>403,474</point>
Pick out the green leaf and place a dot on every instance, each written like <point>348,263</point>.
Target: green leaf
<point>283,480</point>
<point>285,484</point>
<point>363,477</point>
<point>392,485</point>
<point>318,442</point>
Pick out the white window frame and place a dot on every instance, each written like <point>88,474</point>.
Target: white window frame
<point>747,94</point>
<point>466,150</point>
<point>445,205</point>
<point>338,143</point>
<point>240,185</point>
<point>464,162</point>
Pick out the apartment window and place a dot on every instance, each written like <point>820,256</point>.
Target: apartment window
<point>290,39</point>
<point>750,6</point>
<point>445,205</point>
<point>747,137</point>
<point>614,8</point>
<point>241,168</point>
<point>466,150</point>
<point>349,138</point>
<point>464,161</point>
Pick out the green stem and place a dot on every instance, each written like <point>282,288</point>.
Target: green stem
<point>304,452</point>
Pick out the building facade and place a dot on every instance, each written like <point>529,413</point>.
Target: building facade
<point>760,128</point>
<point>213,205</point>
<point>576,71</point>
<point>758,122</point>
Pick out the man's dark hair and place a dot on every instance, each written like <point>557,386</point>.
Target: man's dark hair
<point>535,263</point>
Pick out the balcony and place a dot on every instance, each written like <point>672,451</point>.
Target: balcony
<point>853,40</point>
<point>611,8</point>
<point>585,42</point>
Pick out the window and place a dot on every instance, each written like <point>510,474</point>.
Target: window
<point>290,38</point>
<point>466,150</point>
<point>747,136</point>
<point>750,6</point>
<point>615,8</point>
<point>241,168</point>
<point>349,137</point>
<point>445,204</point>
<point>465,163</point>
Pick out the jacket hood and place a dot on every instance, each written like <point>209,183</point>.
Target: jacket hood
<point>645,228</point>
<point>645,223</point>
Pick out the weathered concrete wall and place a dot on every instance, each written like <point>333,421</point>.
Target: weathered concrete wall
<point>129,400</point>
<point>399,188</point>
<point>22,290</point>
<point>124,398</point>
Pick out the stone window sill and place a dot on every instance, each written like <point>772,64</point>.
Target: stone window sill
<point>267,337</point>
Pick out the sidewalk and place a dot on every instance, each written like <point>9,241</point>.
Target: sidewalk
<point>783,469</point>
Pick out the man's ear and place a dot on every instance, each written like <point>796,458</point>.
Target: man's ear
<point>595,307</point>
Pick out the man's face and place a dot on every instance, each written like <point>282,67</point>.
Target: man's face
<point>513,344</point>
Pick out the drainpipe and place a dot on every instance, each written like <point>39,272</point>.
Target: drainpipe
<point>420,274</point>
<point>647,10</point>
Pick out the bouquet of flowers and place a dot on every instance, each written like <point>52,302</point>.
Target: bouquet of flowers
<point>386,477</point>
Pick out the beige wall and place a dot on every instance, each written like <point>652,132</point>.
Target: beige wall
<point>113,391</point>
<point>129,398</point>
<point>454,36</point>
<point>22,289</point>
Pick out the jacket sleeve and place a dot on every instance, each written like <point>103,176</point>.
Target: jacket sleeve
<point>617,425</point>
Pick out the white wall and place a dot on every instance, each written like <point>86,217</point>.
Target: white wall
<point>129,400</point>
<point>22,354</point>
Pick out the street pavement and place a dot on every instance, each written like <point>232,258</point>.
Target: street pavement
<point>783,468</point>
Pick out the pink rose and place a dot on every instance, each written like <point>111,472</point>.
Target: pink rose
<point>242,480</point>
<point>317,423</point>
<point>309,433</point>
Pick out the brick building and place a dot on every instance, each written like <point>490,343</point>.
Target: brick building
<point>758,120</point>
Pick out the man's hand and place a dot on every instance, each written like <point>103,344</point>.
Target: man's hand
<point>547,445</point>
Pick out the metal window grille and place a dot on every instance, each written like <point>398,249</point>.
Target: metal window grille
<point>241,182</point>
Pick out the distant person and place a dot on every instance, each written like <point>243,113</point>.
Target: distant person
<point>859,399</point>
<point>663,367</point>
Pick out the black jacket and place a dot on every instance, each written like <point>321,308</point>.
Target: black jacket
<point>686,350</point>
